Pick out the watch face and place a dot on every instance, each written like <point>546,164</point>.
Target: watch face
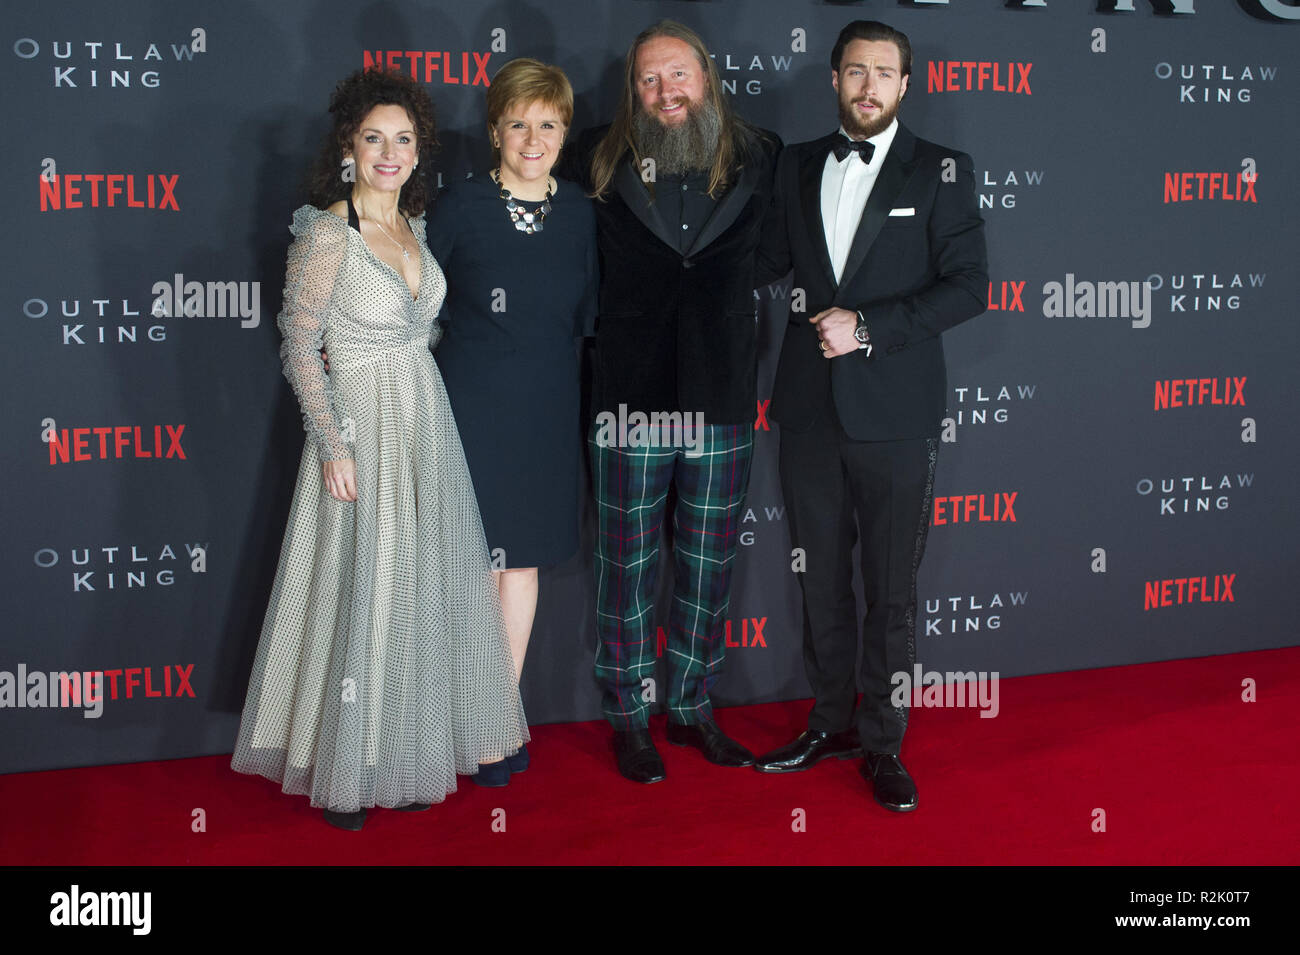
<point>861,335</point>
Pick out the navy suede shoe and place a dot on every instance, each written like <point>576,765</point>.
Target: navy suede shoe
<point>519,761</point>
<point>492,775</point>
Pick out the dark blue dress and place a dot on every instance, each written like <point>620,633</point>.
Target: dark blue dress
<point>515,306</point>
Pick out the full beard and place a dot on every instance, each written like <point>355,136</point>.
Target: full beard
<point>690,146</point>
<point>860,128</point>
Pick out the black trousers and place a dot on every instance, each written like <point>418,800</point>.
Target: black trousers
<point>837,491</point>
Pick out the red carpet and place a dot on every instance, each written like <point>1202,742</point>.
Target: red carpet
<point>1186,772</point>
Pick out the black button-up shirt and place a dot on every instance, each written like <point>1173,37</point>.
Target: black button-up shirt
<point>685,205</point>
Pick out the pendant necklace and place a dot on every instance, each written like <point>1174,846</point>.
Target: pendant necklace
<point>405,252</point>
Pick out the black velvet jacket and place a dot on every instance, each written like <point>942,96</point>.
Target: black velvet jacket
<point>677,332</point>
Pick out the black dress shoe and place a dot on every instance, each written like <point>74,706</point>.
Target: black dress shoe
<point>811,747</point>
<point>413,807</point>
<point>351,821</point>
<point>637,758</point>
<point>716,746</point>
<point>894,789</point>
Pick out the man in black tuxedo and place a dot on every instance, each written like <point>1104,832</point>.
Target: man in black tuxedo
<point>682,188</point>
<point>884,235</point>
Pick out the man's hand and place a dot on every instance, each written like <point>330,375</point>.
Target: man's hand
<point>835,328</point>
<point>341,479</point>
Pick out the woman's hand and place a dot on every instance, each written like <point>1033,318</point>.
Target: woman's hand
<point>341,479</point>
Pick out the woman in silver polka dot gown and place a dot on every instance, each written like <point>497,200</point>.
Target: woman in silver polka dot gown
<point>383,668</point>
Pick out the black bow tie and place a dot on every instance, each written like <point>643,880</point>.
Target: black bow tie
<point>844,146</point>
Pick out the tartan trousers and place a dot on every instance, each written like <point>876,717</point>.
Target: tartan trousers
<point>631,490</point>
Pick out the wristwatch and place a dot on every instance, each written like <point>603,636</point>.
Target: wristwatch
<point>860,333</point>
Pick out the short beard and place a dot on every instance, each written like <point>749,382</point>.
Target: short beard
<point>865,129</point>
<point>688,147</point>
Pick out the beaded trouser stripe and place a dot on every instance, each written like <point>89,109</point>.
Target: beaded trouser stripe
<point>918,551</point>
<point>631,490</point>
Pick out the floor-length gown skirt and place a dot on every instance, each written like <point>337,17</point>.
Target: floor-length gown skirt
<point>383,668</point>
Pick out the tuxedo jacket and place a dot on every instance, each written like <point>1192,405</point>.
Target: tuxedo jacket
<point>917,266</point>
<point>677,331</point>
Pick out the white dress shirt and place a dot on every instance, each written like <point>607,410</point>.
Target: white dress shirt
<point>846,184</point>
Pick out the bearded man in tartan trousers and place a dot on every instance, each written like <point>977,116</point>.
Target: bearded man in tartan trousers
<point>682,186</point>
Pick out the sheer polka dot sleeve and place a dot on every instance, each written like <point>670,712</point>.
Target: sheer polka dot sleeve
<point>315,260</point>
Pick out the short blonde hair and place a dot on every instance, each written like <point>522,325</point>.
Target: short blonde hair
<point>526,81</point>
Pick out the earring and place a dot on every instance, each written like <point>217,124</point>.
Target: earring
<point>348,160</point>
<point>417,163</point>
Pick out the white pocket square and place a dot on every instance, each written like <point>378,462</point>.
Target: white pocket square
<point>909,211</point>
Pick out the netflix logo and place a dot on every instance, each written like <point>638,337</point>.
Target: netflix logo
<point>973,508</point>
<point>747,632</point>
<point>433,66</point>
<point>1185,392</point>
<point>1196,186</point>
<point>1186,590</point>
<point>760,421</point>
<point>113,443</point>
<point>961,76</point>
<point>1005,297</point>
<point>153,685</point>
<point>108,190</point>
<point>149,682</point>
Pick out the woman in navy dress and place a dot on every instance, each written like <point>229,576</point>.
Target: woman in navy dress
<point>518,247</point>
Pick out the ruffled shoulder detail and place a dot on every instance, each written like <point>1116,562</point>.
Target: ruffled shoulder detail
<point>308,219</point>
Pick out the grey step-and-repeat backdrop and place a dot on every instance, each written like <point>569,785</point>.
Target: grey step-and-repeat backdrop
<point>1114,481</point>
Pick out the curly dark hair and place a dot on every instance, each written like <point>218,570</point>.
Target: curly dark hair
<point>352,101</point>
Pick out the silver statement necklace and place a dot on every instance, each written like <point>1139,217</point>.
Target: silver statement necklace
<point>525,221</point>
